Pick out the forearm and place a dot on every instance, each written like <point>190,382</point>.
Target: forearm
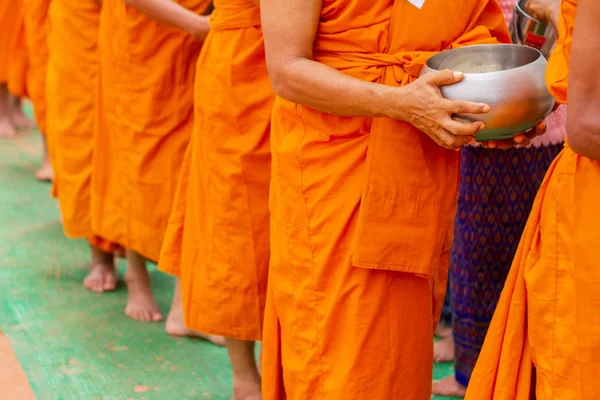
<point>170,13</point>
<point>583,123</point>
<point>325,89</point>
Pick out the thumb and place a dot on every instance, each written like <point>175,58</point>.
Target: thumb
<point>447,77</point>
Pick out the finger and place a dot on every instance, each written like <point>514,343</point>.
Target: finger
<point>521,138</point>
<point>467,107</point>
<point>451,141</point>
<point>446,77</point>
<point>502,144</point>
<point>541,128</point>
<point>462,128</point>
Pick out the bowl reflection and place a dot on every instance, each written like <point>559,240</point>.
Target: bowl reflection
<point>509,78</point>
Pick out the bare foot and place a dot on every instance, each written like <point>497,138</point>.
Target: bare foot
<point>7,130</point>
<point>177,328</point>
<point>443,331</point>
<point>141,305</point>
<point>443,351</point>
<point>247,391</point>
<point>18,117</point>
<point>175,325</point>
<point>102,276</point>
<point>448,387</point>
<point>45,173</point>
<point>246,378</point>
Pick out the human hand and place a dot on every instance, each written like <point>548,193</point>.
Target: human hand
<point>422,105</point>
<point>201,28</point>
<point>544,10</point>
<point>522,139</point>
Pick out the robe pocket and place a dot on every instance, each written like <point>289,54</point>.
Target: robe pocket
<point>408,201</point>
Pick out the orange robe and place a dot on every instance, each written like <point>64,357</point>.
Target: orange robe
<point>218,236</point>
<point>548,315</point>
<point>71,86</point>
<point>36,27</point>
<point>144,122</point>
<point>362,213</point>
<point>13,53</point>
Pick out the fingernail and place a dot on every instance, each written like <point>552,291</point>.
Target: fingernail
<point>457,74</point>
<point>485,108</point>
<point>481,126</point>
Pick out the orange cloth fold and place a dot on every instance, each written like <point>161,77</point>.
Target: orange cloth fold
<point>144,122</point>
<point>218,235</point>
<point>36,33</point>
<point>71,83</point>
<point>547,316</point>
<point>358,192</point>
<point>103,244</point>
<point>13,52</point>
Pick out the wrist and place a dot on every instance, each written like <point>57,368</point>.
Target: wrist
<point>391,104</point>
<point>198,26</point>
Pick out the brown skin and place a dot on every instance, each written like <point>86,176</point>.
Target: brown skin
<point>583,124</point>
<point>297,78</point>
<point>173,14</point>
<point>544,10</point>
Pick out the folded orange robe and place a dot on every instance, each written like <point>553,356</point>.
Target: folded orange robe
<point>218,236</point>
<point>13,53</point>
<point>145,119</point>
<point>71,86</point>
<point>548,314</point>
<point>36,28</point>
<point>362,213</point>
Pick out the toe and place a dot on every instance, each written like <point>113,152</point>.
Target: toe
<point>156,317</point>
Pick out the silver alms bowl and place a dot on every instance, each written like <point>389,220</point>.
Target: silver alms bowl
<point>509,78</point>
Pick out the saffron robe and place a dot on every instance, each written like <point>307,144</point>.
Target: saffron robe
<point>36,35</point>
<point>362,213</point>
<point>548,316</point>
<point>143,125</point>
<point>13,52</point>
<point>71,86</point>
<point>218,235</point>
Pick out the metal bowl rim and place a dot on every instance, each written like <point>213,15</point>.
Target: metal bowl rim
<point>483,74</point>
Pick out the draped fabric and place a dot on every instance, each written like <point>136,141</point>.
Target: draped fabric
<point>362,213</point>
<point>218,235</point>
<point>143,124</point>
<point>13,49</point>
<point>547,316</point>
<point>71,85</point>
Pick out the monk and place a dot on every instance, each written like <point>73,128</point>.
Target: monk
<point>544,340</point>
<point>174,14</point>
<point>36,33</point>
<point>13,66</point>
<point>71,82</point>
<point>145,119</point>
<point>363,191</point>
<point>218,234</point>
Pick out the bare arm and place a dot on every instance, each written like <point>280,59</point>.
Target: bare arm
<point>171,13</point>
<point>290,27</point>
<point>583,112</point>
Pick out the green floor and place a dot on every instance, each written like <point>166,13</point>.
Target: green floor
<point>74,344</point>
